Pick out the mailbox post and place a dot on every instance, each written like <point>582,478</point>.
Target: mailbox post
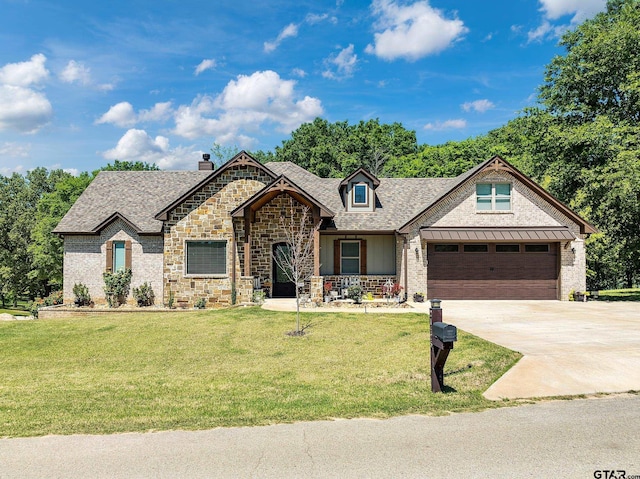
<point>442,338</point>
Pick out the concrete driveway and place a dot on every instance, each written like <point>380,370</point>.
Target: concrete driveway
<point>569,348</point>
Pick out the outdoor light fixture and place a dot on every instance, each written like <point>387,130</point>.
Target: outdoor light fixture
<point>206,156</point>
<point>435,303</point>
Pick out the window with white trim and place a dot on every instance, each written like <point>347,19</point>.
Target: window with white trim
<point>206,257</point>
<point>493,197</point>
<point>350,257</point>
<point>360,194</point>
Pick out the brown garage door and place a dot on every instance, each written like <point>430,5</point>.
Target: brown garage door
<point>493,271</point>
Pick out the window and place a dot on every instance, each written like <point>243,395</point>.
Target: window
<point>360,194</point>
<point>206,257</point>
<point>118,256</point>
<point>536,248</point>
<point>476,248</point>
<point>507,248</point>
<point>445,248</point>
<point>493,197</point>
<point>350,257</point>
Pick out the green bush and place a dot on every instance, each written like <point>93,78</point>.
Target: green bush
<point>116,287</point>
<point>81,293</point>
<point>355,292</point>
<point>200,304</point>
<point>258,296</point>
<point>144,295</point>
<point>56,297</point>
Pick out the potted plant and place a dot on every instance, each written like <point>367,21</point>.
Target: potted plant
<point>418,297</point>
<point>396,289</point>
<point>328,286</point>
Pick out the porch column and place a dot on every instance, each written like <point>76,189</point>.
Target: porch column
<point>247,256</point>
<point>316,253</point>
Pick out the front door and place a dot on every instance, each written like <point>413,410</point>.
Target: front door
<point>282,286</point>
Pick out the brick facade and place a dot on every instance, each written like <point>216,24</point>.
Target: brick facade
<point>527,209</point>
<point>85,259</point>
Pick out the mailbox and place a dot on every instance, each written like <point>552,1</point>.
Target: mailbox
<point>444,332</point>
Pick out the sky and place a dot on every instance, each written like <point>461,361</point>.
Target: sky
<point>85,83</point>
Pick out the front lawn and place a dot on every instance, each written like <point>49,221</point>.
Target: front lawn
<point>237,367</point>
<point>620,295</point>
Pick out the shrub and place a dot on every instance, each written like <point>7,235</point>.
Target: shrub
<point>258,296</point>
<point>116,287</point>
<point>56,297</point>
<point>355,292</point>
<point>81,292</point>
<point>144,294</point>
<point>200,304</point>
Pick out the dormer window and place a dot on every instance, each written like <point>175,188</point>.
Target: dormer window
<point>358,191</point>
<point>360,194</point>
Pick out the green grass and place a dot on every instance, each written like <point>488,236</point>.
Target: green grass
<point>632,294</point>
<point>197,370</point>
<point>22,309</point>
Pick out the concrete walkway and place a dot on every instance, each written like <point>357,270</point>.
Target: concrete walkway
<point>569,348</point>
<point>551,439</point>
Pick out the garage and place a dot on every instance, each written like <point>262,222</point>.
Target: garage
<point>468,263</point>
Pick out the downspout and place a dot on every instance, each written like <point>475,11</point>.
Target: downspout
<point>406,272</point>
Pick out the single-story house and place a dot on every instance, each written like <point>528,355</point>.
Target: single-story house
<point>490,233</point>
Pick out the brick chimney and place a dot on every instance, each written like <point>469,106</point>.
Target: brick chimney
<point>205,164</point>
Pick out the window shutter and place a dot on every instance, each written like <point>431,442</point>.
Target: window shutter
<point>109,266</point>
<point>336,256</point>
<point>363,256</point>
<point>127,254</point>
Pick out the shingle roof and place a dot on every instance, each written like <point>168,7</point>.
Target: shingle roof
<point>135,195</point>
<point>398,199</point>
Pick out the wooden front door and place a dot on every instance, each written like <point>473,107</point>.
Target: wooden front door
<point>282,286</point>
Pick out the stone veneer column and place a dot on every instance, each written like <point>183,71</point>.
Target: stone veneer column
<point>317,289</point>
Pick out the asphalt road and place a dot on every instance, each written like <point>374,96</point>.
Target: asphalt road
<point>568,439</point>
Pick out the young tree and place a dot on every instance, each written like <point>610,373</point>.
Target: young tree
<point>296,260</point>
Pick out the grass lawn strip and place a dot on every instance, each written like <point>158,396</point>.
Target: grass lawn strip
<point>236,367</point>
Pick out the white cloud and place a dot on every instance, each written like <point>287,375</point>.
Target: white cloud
<point>413,31</point>
<point>290,30</point>
<point>24,74</point>
<point>137,145</point>
<point>479,105</point>
<point>244,106</point>
<point>15,150</point>
<point>123,115</point>
<point>205,65</point>
<point>76,72</point>
<point>299,72</point>
<point>580,10</point>
<point>6,171</point>
<point>313,18</point>
<point>342,65</point>
<point>23,109</point>
<point>446,125</point>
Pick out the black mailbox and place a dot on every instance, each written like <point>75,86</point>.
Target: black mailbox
<point>444,332</point>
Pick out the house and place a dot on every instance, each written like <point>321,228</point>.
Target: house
<point>490,233</point>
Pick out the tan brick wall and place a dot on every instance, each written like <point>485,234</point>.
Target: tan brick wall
<point>206,216</point>
<point>85,260</point>
<point>527,209</point>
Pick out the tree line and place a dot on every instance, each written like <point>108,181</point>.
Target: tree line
<point>581,142</point>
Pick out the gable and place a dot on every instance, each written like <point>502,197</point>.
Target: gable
<point>532,204</point>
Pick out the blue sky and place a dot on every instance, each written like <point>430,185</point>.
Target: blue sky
<point>85,83</point>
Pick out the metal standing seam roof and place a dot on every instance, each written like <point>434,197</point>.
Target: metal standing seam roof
<point>539,233</point>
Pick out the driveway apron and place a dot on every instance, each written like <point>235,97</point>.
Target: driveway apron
<point>569,348</point>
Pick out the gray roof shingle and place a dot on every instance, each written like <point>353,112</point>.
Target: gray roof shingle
<point>136,195</point>
<point>398,199</point>
<point>139,195</point>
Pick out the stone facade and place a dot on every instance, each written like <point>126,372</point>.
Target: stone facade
<point>85,260</point>
<point>206,215</point>
<point>527,209</point>
<point>267,230</point>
